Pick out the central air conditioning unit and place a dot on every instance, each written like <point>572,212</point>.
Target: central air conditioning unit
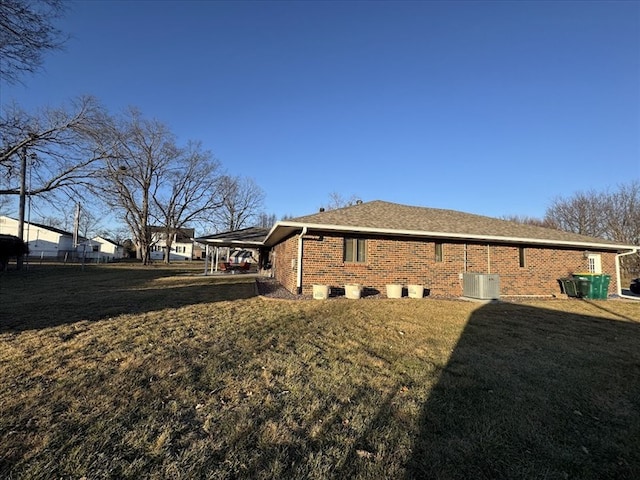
<point>482,286</point>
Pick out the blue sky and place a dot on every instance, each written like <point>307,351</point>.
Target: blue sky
<point>492,108</point>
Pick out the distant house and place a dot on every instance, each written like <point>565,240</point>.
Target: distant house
<point>105,250</point>
<point>199,250</point>
<point>43,241</point>
<point>378,243</point>
<point>182,247</point>
<point>54,244</point>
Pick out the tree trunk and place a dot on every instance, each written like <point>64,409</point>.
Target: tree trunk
<point>167,254</point>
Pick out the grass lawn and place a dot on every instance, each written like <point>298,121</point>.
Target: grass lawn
<point>131,372</point>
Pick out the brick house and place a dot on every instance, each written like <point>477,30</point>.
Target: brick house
<point>378,243</point>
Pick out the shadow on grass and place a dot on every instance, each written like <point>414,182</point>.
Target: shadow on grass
<point>52,296</point>
<point>535,393</point>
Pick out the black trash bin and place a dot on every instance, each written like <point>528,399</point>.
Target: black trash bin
<point>569,287</point>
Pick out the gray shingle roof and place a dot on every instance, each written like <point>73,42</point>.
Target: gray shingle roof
<point>183,235</point>
<point>384,216</point>
<point>251,235</point>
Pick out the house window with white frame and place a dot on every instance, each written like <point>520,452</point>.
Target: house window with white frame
<point>595,263</point>
<point>355,250</point>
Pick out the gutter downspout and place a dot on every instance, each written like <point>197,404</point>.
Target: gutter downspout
<point>635,250</point>
<point>299,279</point>
<point>488,258</point>
<point>465,259</point>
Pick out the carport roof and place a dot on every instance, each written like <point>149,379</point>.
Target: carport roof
<point>246,237</point>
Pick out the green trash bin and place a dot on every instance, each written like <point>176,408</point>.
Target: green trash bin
<point>584,286</point>
<point>593,286</point>
<point>601,287</point>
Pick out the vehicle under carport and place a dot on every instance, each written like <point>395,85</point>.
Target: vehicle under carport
<point>236,247</point>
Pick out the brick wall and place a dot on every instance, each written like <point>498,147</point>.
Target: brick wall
<point>407,261</point>
<point>283,259</point>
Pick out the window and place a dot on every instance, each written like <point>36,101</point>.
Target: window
<point>521,257</point>
<point>438,252</point>
<point>355,250</point>
<point>96,248</point>
<point>595,263</point>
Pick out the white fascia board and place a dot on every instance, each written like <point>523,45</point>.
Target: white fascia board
<point>276,226</point>
<point>228,242</point>
<point>455,236</point>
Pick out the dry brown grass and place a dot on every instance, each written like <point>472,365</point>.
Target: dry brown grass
<point>192,385</point>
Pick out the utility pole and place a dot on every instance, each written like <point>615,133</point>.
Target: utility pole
<point>23,194</point>
<point>76,227</point>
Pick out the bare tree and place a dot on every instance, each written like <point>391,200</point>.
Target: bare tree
<point>242,202</point>
<point>336,200</point>
<point>191,191</point>
<point>48,152</point>
<point>582,213</point>
<point>118,234</point>
<point>623,221</point>
<point>613,215</point>
<point>59,144</point>
<point>266,220</point>
<point>142,153</point>
<point>88,223</point>
<point>526,220</point>
<point>4,204</point>
<point>55,222</point>
<point>623,214</point>
<point>26,34</point>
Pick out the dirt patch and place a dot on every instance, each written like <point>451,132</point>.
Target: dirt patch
<point>271,288</point>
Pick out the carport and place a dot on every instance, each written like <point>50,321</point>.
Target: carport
<point>246,238</point>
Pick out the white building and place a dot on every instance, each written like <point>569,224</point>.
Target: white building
<point>101,249</point>
<point>43,241</point>
<point>54,244</point>
<point>109,248</point>
<point>181,248</point>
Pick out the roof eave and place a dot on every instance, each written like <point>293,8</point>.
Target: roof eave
<point>290,227</point>
<point>221,242</point>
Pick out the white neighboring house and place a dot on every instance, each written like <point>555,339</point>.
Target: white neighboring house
<point>43,241</point>
<point>101,249</point>
<point>54,244</point>
<point>181,248</point>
